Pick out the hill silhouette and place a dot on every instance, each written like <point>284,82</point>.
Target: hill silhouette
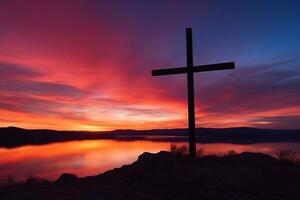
<point>245,176</point>
<point>13,136</point>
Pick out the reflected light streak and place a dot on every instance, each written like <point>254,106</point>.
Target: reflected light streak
<point>91,157</point>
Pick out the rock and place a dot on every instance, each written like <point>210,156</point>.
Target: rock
<point>67,178</point>
<point>146,156</point>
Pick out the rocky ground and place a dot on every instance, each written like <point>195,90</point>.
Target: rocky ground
<point>246,176</point>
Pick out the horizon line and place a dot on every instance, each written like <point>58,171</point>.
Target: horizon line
<point>153,129</point>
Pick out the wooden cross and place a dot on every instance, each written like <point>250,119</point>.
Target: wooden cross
<point>190,70</point>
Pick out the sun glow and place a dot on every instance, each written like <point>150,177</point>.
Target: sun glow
<point>76,70</point>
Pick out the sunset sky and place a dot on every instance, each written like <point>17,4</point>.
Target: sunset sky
<point>86,65</point>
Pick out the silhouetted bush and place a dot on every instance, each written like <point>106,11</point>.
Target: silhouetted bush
<point>180,151</point>
<point>173,148</point>
<point>231,152</point>
<point>287,156</point>
<point>200,152</point>
<point>183,151</point>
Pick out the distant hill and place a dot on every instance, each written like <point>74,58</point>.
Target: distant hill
<point>13,136</point>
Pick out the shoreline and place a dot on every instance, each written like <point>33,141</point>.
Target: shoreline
<point>15,137</point>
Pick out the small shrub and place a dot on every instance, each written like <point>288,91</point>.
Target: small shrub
<point>183,151</point>
<point>231,152</point>
<point>180,151</point>
<point>287,156</point>
<point>200,152</point>
<point>173,148</point>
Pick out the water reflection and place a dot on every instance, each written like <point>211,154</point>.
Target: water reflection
<point>91,157</point>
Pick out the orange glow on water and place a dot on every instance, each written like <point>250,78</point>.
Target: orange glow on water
<point>80,157</point>
<point>91,157</point>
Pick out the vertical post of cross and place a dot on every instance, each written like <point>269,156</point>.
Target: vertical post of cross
<point>190,69</point>
<point>190,87</point>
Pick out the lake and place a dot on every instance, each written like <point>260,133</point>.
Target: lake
<point>91,157</point>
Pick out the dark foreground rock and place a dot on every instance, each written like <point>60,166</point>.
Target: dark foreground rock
<point>67,178</point>
<point>246,176</point>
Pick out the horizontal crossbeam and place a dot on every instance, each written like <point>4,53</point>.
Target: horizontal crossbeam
<point>201,68</point>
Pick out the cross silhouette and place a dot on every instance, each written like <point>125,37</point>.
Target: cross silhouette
<point>190,70</point>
